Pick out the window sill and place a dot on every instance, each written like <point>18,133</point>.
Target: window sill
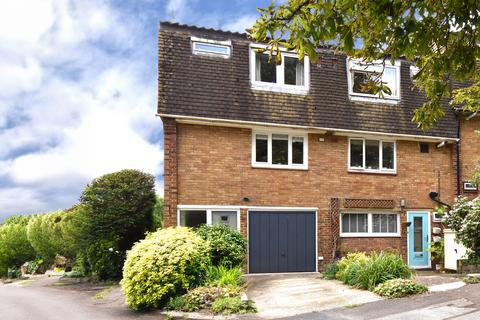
<point>352,170</point>
<point>370,99</point>
<point>370,235</point>
<point>279,167</point>
<point>300,90</point>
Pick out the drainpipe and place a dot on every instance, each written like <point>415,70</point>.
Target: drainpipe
<point>457,146</point>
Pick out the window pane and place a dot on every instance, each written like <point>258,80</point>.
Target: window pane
<point>360,81</point>
<point>193,218</point>
<point>261,148</point>
<point>372,155</point>
<point>388,155</point>
<point>384,223</point>
<point>376,222</point>
<point>205,47</point>
<point>279,149</point>
<point>264,71</point>
<point>297,150</point>
<point>354,223</point>
<point>392,223</point>
<point>228,218</point>
<point>356,153</point>
<point>390,80</point>
<point>417,234</point>
<point>345,223</point>
<point>293,73</point>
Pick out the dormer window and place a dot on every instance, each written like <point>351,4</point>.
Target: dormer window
<point>291,76</point>
<point>360,75</point>
<point>211,47</point>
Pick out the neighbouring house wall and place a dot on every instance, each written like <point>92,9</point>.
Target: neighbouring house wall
<point>214,168</point>
<point>469,151</point>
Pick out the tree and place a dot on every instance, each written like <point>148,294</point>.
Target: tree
<point>158,213</point>
<point>439,36</point>
<point>119,206</point>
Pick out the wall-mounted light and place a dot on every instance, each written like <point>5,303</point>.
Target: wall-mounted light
<point>403,203</point>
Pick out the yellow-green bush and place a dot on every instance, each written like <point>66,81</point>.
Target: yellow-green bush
<point>164,264</point>
<point>344,263</point>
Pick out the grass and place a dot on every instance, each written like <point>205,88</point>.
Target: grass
<point>223,276</point>
<point>471,280</point>
<point>102,294</point>
<point>351,306</point>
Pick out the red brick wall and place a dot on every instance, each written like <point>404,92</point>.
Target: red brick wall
<point>214,168</point>
<point>170,172</point>
<point>469,151</point>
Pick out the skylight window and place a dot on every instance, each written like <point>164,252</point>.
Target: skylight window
<point>211,47</point>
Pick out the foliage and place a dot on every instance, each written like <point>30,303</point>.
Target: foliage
<point>380,268</point>
<point>81,265</point>
<point>105,259</point>
<point>182,303</point>
<point>439,36</point>
<point>158,214</point>
<point>230,305</point>
<point>14,273</point>
<point>223,276</point>
<point>437,249</point>
<point>397,288</point>
<point>119,206</point>
<point>330,271</point>
<point>471,280</point>
<point>34,265</point>
<point>73,228</point>
<point>15,248</point>
<point>45,235</point>
<point>17,219</point>
<point>164,264</point>
<point>464,219</point>
<point>347,261</point>
<point>228,245</point>
<point>366,272</point>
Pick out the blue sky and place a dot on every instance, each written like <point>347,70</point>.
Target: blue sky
<point>78,91</point>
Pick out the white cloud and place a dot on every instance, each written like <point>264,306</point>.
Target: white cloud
<point>179,10</point>
<point>77,100</point>
<point>241,23</point>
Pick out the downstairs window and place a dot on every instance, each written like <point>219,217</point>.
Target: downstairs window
<point>362,224</point>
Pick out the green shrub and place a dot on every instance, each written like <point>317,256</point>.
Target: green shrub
<point>164,264</point>
<point>34,266</point>
<point>14,273</point>
<point>330,271</point>
<point>15,248</point>
<point>380,268</point>
<point>223,276</point>
<point>45,236</point>
<point>228,245</point>
<point>397,288</point>
<point>182,303</point>
<point>104,258</point>
<point>346,262</point>
<point>74,231</point>
<point>230,305</point>
<point>81,265</point>
<point>119,206</point>
<point>158,214</point>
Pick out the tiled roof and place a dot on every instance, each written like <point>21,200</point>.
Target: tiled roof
<point>203,86</point>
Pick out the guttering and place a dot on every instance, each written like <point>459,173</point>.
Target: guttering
<point>321,129</point>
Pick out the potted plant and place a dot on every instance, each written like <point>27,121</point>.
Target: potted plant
<point>437,250</point>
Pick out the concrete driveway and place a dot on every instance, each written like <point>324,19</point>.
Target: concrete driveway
<point>287,295</point>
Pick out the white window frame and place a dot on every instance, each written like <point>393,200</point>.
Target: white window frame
<point>381,169</point>
<point>357,65</point>
<point>215,43</point>
<point>209,211</point>
<point>269,164</point>
<point>280,85</point>
<point>370,233</point>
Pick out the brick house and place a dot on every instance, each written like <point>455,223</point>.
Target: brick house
<point>299,157</point>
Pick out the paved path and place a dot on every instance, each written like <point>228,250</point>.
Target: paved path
<point>43,300</point>
<point>459,304</point>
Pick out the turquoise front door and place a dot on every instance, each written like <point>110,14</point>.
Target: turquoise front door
<point>418,255</point>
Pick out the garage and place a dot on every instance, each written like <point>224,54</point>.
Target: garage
<point>281,241</point>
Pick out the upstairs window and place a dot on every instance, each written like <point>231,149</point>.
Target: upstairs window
<point>211,47</point>
<point>371,155</point>
<point>361,75</point>
<point>291,76</point>
<point>279,150</point>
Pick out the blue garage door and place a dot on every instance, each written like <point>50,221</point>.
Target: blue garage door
<point>281,241</point>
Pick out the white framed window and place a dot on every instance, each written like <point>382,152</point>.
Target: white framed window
<point>211,47</point>
<point>280,150</point>
<point>359,73</point>
<point>370,155</point>
<point>369,224</point>
<point>291,76</point>
<point>194,218</point>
